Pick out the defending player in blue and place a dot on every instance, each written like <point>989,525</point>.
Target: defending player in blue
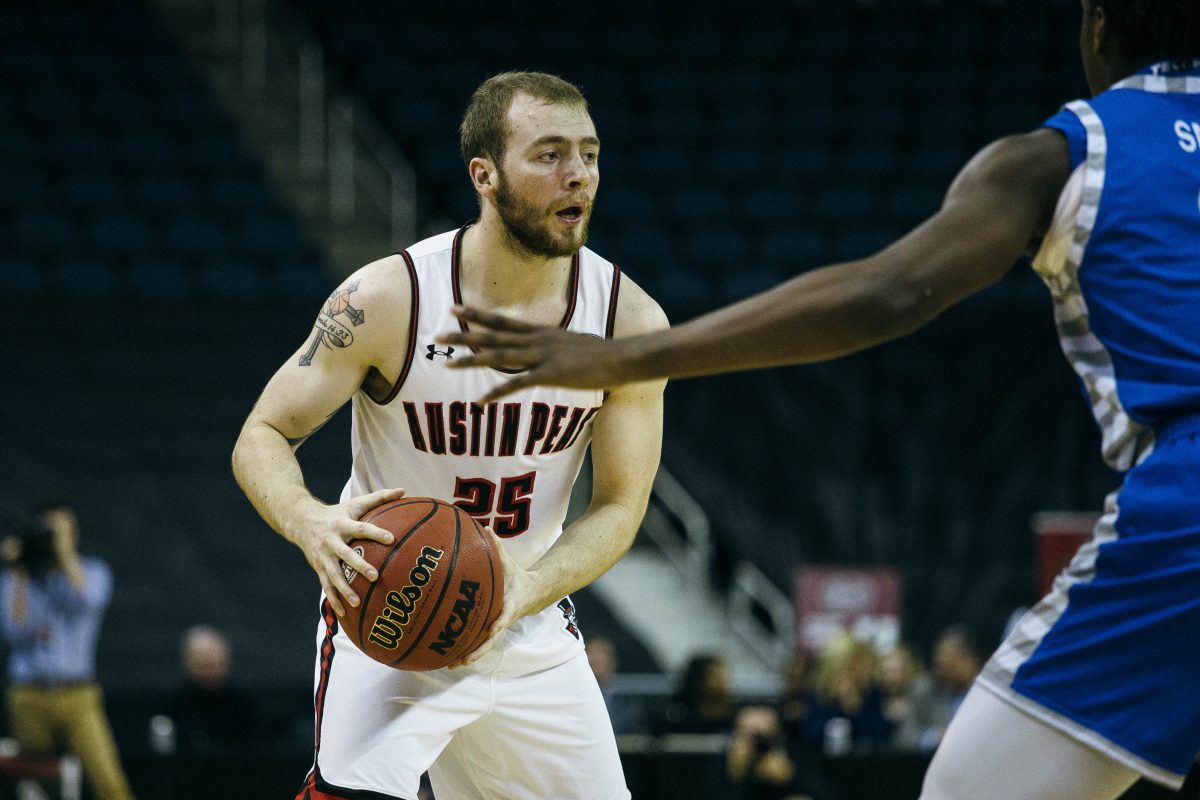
<point>1097,685</point>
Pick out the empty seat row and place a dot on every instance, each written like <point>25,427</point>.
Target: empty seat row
<point>167,276</point>
<point>121,175</point>
<point>842,121</point>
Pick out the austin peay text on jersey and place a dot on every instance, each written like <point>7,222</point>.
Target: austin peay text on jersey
<point>495,430</point>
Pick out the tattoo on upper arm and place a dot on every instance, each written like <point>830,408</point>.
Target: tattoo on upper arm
<point>327,330</point>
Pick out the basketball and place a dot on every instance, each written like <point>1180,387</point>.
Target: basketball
<point>440,586</point>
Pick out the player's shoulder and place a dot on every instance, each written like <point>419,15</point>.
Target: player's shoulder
<point>1039,149</point>
<point>385,280</point>
<point>370,308</point>
<point>637,311</point>
<point>1035,164</point>
<point>391,273</point>
<point>389,278</point>
<point>439,246</point>
<point>388,281</point>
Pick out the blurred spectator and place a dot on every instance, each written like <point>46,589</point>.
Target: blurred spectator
<point>628,714</point>
<point>932,700</point>
<point>761,764</point>
<point>846,708</point>
<point>900,673</point>
<point>53,602</point>
<point>703,701</point>
<point>210,714</point>
<point>795,689</point>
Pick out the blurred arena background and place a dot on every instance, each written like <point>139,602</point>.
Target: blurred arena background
<point>183,182</point>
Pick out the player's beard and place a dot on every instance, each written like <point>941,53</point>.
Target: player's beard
<point>527,227</point>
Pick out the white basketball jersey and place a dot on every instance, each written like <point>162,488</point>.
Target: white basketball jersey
<point>509,464</point>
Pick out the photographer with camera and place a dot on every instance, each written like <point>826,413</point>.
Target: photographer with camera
<point>760,765</point>
<point>52,602</point>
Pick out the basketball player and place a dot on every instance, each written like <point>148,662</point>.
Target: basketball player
<point>1097,685</point>
<point>523,716</point>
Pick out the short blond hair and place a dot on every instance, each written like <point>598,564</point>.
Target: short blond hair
<point>484,129</point>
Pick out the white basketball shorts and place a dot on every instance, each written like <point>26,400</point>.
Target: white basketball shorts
<point>527,721</point>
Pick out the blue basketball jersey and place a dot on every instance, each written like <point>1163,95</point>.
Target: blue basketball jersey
<point>1128,290</point>
<point>1109,655</point>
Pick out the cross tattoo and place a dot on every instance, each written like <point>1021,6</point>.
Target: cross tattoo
<point>328,331</point>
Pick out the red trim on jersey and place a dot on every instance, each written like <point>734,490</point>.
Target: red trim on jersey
<point>566,320</point>
<point>611,324</point>
<point>414,316</point>
<point>454,259</point>
<point>456,271</point>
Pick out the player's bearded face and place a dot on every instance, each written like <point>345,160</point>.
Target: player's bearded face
<point>536,227</point>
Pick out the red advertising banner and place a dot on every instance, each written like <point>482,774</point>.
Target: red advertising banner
<point>866,602</point>
<point>1059,535</point>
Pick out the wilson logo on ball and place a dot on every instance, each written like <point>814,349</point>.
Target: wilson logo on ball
<point>456,623</point>
<point>388,628</point>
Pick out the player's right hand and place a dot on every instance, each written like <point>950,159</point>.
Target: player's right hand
<point>323,535</point>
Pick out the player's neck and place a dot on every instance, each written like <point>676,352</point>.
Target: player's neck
<point>498,275</point>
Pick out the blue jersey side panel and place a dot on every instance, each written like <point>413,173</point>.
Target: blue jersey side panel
<point>1140,274</point>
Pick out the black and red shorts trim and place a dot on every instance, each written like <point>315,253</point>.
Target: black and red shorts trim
<point>315,787</point>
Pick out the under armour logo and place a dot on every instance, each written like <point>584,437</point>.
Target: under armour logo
<point>433,351</point>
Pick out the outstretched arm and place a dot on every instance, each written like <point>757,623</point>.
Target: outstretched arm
<point>999,202</point>
<point>352,331</point>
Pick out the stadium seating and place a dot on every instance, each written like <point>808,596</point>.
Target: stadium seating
<point>712,120</point>
<point>116,162</point>
<point>738,151</point>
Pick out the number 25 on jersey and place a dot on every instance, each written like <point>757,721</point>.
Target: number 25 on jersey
<point>505,508</point>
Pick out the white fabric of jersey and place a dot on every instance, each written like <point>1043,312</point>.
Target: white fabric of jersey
<point>441,403</point>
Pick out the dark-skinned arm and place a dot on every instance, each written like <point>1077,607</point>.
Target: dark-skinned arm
<point>1001,201</point>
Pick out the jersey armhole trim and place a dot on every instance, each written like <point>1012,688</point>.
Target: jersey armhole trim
<point>611,323</point>
<point>570,312</point>
<point>414,317</point>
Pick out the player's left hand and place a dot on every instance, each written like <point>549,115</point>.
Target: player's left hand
<point>520,599</point>
<point>550,356</point>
